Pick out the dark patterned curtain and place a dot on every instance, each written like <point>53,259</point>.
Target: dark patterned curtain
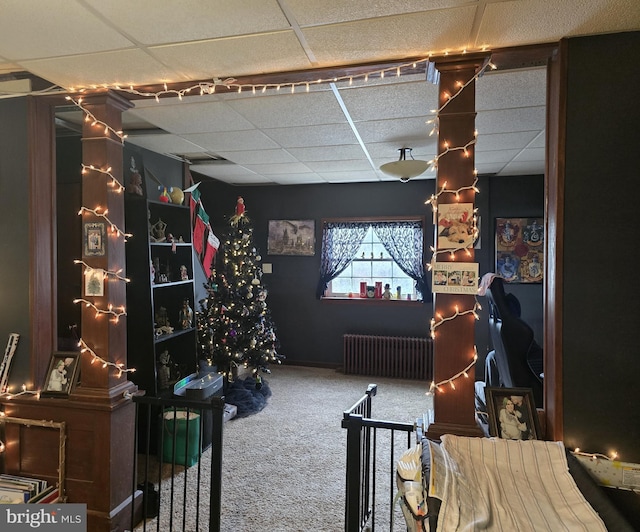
<point>340,242</point>
<point>404,242</point>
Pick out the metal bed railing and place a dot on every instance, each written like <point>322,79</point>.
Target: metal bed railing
<point>363,475</point>
<point>172,466</point>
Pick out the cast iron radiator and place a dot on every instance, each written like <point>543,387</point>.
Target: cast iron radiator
<point>401,357</point>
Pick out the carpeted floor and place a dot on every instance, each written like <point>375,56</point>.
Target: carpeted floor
<point>284,467</point>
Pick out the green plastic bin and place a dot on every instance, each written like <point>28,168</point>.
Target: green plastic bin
<point>175,423</point>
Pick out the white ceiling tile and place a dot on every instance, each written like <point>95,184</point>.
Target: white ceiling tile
<point>286,110</point>
<point>517,23</point>
<point>326,153</point>
<point>331,11</point>
<point>404,132</point>
<point>512,88</point>
<point>530,155</point>
<point>503,141</point>
<point>500,156</point>
<point>254,157</point>
<point>154,22</point>
<point>127,67</point>
<point>232,141</point>
<point>236,56</point>
<point>61,27</point>
<point>164,143</point>
<point>322,135</point>
<point>340,166</point>
<point>509,120</point>
<point>194,117</point>
<point>278,169</point>
<point>392,37</point>
<point>399,100</point>
<point>523,168</point>
<point>349,177</point>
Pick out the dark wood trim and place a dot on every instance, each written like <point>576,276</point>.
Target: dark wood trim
<point>554,212</point>
<point>42,231</point>
<point>504,58</point>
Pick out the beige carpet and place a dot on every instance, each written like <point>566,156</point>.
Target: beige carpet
<point>284,468</point>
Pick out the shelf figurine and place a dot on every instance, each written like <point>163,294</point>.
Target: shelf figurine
<point>186,315</point>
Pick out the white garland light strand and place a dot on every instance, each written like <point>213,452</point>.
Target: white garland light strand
<point>115,184</point>
<point>451,380</point>
<point>115,313</point>
<point>107,273</point>
<point>435,324</point>
<point>90,117</point>
<point>114,227</point>
<point>24,391</point>
<point>595,456</point>
<point>450,97</point>
<point>121,368</point>
<point>209,87</point>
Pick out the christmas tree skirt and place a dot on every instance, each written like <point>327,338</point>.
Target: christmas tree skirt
<point>248,398</point>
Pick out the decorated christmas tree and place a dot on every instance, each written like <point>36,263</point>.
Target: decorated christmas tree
<point>235,328</point>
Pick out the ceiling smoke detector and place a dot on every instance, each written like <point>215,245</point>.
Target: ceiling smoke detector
<point>404,168</point>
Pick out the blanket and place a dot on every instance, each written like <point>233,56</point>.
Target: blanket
<point>498,484</point>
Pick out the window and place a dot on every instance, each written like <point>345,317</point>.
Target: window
<point>386,251</point>
<point>372,263</point>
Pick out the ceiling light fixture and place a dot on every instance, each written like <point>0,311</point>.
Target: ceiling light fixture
<point>404,168</point>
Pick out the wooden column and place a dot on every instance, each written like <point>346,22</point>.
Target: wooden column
<point>455,339</point>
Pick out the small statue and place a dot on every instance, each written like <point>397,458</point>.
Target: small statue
<point>135,179</point>
<point>186,315</point>
<point>387,292</point>
<point>184,274</point>
<point>157,231</point>
<point>167,370</point>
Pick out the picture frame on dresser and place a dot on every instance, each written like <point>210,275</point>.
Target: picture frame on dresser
<point>512,414</point>
<point>62,374</point>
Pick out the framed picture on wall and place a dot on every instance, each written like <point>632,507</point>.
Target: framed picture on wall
<point>94,239</point>
<point>520,249</point>
<point>291,237</point>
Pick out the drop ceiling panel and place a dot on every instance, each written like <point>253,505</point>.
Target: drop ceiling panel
<point>238,56</point>
<point>513,88</point>
<point>232,141</point>
<point>322,135</point>
<point>282,110</point>
<point>61,28</point>
<point>349,177</point>
<point>491,157</point>
<point>399,100</point>
<point>509,120</point>
<point>504,141</point>
<point>165,144</point>
<point>414,131</point>
<point>127,67</point>
<point>520,168</point>
<point>389,37</point>
<point>328,153</point>
<point>153,22</point>
<point>194,117</point>
<point>340,166</point>
<point>517,23</point>
<point>312,12</point>
<point>254,157</point>
<point>278,169</point>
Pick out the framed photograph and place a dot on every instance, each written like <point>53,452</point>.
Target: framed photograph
<point>62,374</point>
<point>94,239</point>
<point>455,278</point>
<point>512,414</point>
<point>94,282</point>
<point>520,249</point>
<point>291,237</point>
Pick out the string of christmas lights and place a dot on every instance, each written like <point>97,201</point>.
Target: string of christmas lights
<point>115,313</point>
<point>595,456</point>
<point>451,380</point>
<point>23,391</point>
<point>107,273</point>
<point>114,228</point>
<point>90,117</point>
<point>120,367</point>
<point>119,187</point>
<point>435,324</point>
